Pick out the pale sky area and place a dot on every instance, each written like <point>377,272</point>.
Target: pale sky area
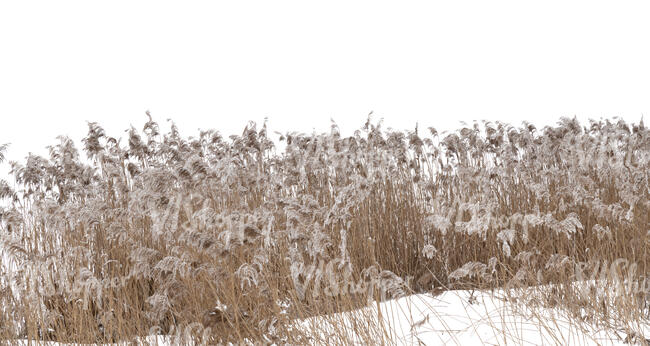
<point>219,64</point>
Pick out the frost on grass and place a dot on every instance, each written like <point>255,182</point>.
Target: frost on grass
<point>154,228</point>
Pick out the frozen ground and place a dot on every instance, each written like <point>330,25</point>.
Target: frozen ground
<point>466,318</point>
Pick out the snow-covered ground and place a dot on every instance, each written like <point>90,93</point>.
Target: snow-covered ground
<point>455,318</point>
<point>472,318</point>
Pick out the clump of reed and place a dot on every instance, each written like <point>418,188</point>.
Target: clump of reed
<point>231,241</point>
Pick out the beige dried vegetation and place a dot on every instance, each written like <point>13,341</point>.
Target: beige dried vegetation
<point>158,232</point>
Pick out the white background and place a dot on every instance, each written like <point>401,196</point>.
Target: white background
<point>218,64</point>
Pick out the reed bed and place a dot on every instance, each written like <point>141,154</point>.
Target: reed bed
<point>229,240</point>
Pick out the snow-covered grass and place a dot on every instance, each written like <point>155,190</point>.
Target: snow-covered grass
<point>456,317</point>
<point>334,239</point>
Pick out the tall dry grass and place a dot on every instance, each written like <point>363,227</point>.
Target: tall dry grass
<point>158,232</point>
